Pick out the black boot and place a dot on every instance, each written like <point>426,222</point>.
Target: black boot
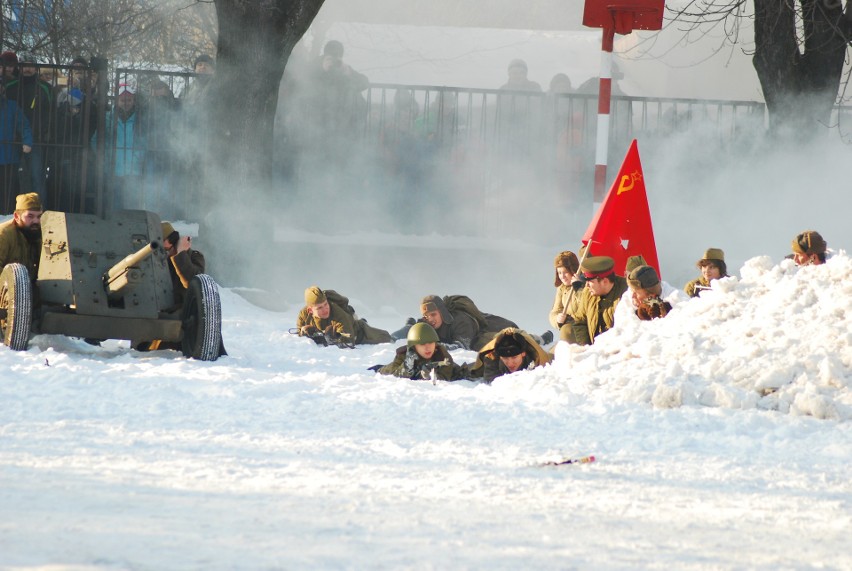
<point>547,337</point>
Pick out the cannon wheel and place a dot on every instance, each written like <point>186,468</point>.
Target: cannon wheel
<point>16,297</point>
<point>202,320</point>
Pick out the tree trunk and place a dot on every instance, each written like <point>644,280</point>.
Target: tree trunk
<point>256,38</point>
<point>799,76</point>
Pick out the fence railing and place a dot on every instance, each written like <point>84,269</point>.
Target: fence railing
<point>93,154</point>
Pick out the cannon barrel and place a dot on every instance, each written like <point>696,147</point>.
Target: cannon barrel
<point>120,277</point>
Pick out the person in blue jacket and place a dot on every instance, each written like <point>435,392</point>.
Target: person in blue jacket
<point>15,136</point>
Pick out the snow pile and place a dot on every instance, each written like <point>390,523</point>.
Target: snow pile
<point>778,338</point>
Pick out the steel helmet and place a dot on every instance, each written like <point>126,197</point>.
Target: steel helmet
<point>421,333</point>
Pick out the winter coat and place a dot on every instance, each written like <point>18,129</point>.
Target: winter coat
<point>343,321</point>
<point>488,366</point>
<point>595,314</point>
<point>13,126</point>
<point>408,364</point>
<point>34,98</point>
<point>124,143</point>
<point>15,248</point>
<point>566,296</point>
<point>184,266</point>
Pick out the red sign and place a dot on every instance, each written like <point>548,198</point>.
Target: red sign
<point>624,16</point>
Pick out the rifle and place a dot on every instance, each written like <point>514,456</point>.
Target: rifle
<point>324,339</point>
<point>430,368</point>
<point>581,460</point>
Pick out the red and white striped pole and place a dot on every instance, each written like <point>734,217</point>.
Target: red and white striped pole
<point>604,96</point>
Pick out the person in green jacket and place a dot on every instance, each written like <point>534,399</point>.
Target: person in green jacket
<point>596,307</point>
<point>328,313</point>
<point>421,356</point>
<point>20,237</point>
<point>712,267</point>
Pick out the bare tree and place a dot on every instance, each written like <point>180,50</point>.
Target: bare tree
<point>799,51</point>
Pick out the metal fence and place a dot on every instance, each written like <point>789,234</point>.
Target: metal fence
<point>92,154</point>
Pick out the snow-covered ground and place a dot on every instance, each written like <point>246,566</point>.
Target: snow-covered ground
<point>722,435</point>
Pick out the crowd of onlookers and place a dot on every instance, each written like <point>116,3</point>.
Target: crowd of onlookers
<point>49,134</point>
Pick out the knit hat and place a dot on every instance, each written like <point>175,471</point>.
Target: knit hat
<point>809,242</point>
<point>567,260</point>
<point>597,266</point>
<point>29,201</point>
<point>333,48</point>
<point>518,63</point>
<point>508,346</point>
<point>643,277</point>
<point>169,233</point>
<point>432,303</point>
<point>314,296</point>
<point>9,57</point>
<point>634,262</point>
<point>203,58</point>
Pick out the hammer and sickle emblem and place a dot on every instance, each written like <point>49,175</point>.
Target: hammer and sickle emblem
<point>626,183</point>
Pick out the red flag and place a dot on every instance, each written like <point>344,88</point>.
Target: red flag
<point>622,225</point>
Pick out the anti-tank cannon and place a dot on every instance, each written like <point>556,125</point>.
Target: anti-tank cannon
<point>108,279</point>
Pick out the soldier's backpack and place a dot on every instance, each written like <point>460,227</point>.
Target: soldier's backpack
<point>364,333</point>
<point>341,301</point>
<point>465,304</point>
<point>486,321</point>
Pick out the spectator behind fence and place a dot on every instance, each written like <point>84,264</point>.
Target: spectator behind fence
<point>517,78</point>
<point>13,127</point>
<point>65,156</point>
<point>125,151</point>
<point>34,98</point>
<point>335,106</point>
<point>158,113</point>
<point>204,68</point>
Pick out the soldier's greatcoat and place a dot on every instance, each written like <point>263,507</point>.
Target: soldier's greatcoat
<point>595,313</point>
<point>15,248</point>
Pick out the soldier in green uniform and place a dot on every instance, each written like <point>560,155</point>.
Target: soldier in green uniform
<point>20,237</point>
<point>510,351</point>
<point>712,267</point>
<point>596,307</point>
<point>568,287</point>
<point>329,313</point>
<point>422,354</point>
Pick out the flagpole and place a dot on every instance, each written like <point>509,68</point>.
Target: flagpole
<point>604,98</point>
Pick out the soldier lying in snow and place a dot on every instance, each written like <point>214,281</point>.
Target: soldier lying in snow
<point>459,323</point>
<point>511,350</point>
<point>422,355</point>
<point>329,314</point>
